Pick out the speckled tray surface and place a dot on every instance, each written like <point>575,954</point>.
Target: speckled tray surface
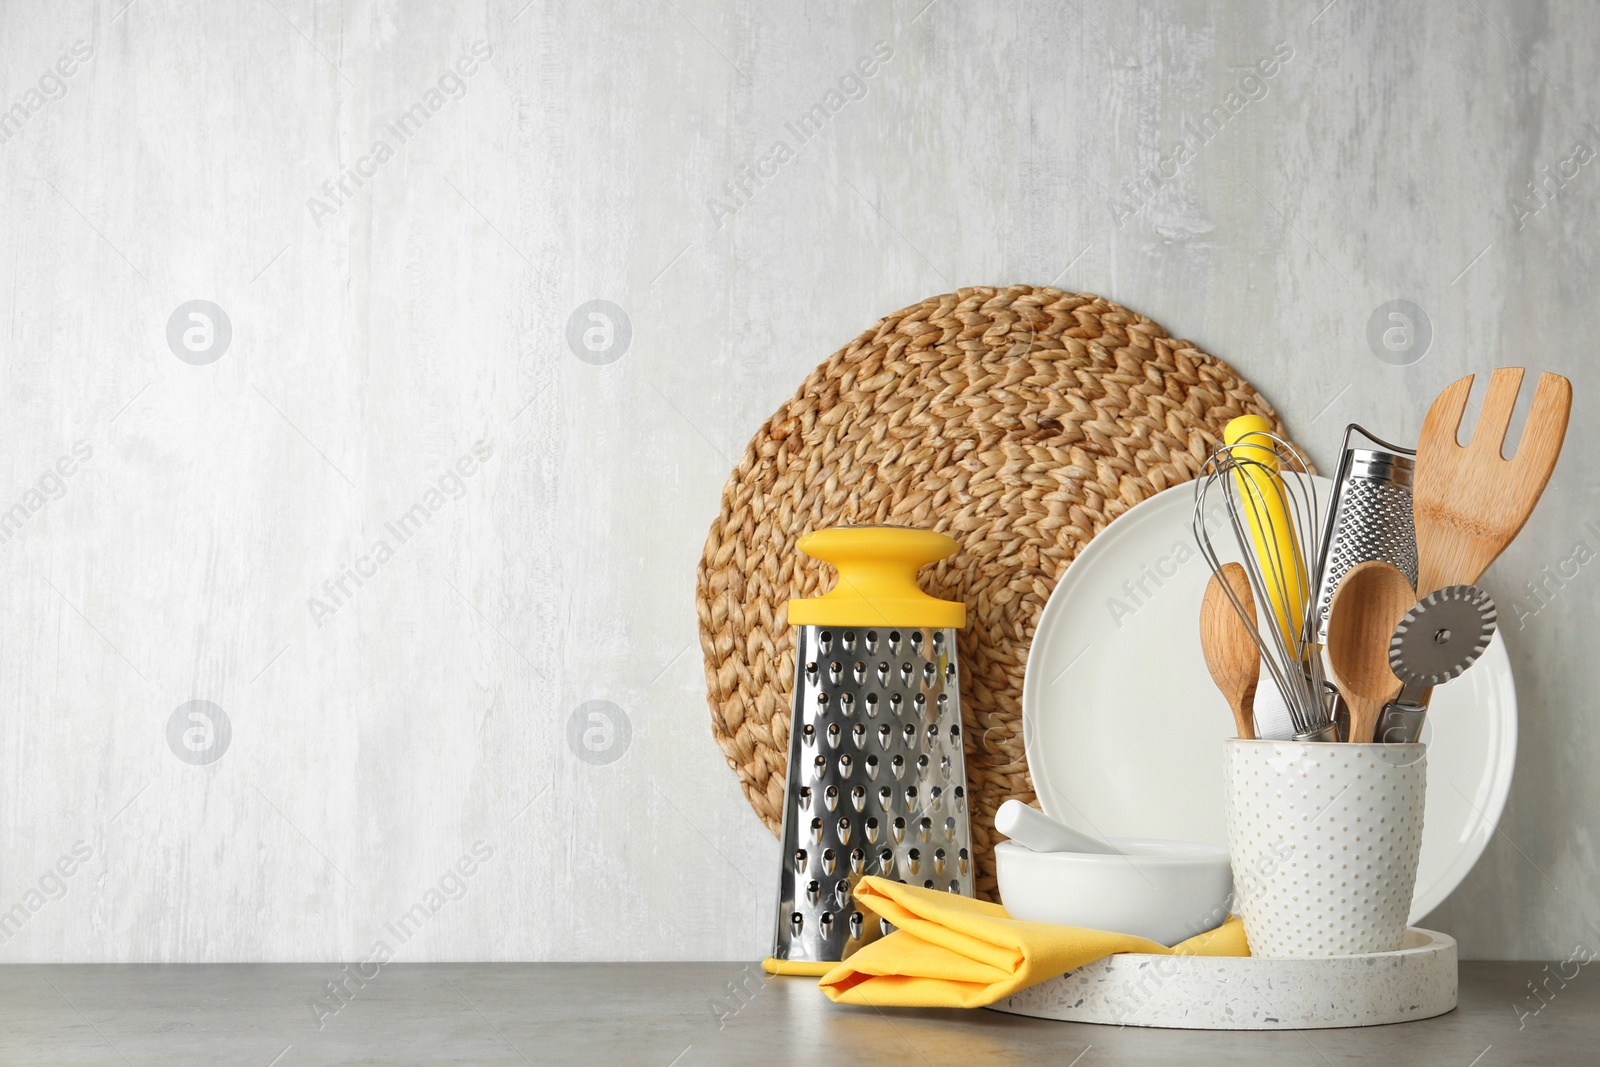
<point>1417,981</point>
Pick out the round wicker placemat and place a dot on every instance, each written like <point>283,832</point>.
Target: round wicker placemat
<point>1020,421</point>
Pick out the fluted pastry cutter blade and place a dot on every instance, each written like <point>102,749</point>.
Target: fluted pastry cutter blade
<point>1442,635</point>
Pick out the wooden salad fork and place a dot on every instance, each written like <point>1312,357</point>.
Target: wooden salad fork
<point>1470,501</point>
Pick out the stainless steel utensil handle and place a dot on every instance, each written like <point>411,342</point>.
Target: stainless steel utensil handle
<point>1401,723</point>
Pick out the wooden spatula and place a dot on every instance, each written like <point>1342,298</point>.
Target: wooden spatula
<point>1470,501</point>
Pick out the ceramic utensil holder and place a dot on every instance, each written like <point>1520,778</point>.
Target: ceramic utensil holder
<point>1325,839</point>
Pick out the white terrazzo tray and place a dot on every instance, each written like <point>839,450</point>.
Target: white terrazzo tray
<point>1417,981</point>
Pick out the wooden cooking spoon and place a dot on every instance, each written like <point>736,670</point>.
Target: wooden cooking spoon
<point>1469,501</point>
<point>1369,603</point>
<point>1231,654</point>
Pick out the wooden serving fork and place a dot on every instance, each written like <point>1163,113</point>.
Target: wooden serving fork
<point>1470,501</point>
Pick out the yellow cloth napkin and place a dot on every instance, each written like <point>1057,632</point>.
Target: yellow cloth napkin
<point>950,951</point>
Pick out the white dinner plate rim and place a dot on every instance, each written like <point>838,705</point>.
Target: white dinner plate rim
<point>1469,849</point>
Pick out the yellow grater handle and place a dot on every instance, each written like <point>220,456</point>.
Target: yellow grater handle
<point>877,583</point>
<point>1262,497</point>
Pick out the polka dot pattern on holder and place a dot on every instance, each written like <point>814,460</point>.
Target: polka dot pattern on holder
<point>1325,840</point>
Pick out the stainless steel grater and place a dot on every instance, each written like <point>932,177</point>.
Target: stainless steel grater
<point>1370,517</point>
<point>876,777</point>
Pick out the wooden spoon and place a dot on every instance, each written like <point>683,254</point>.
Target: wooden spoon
<point>1369,603</point>
<point>1231,654</point>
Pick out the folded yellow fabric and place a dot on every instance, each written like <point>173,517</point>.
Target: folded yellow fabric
<point>950,951</point>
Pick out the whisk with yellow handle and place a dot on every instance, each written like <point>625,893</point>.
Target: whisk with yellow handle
<point>1258,489</point>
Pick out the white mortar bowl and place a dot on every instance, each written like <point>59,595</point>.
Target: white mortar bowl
<point>1166,891</point>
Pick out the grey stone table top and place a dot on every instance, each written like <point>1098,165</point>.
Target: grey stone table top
<point>679,1015</point>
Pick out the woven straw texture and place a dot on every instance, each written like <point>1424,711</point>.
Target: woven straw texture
<point>1020,421</point>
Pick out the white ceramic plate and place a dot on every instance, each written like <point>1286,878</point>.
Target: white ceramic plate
<point>1123,726</point>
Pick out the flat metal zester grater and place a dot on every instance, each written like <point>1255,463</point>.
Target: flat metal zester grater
<point>876,778</point>
<point>1370,517</point>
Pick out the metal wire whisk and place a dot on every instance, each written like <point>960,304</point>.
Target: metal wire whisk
<point>1268,503</point>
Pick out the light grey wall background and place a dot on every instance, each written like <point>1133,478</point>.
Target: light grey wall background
<point>356,758</point>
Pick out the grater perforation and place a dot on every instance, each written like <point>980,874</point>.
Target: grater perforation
<point>1370,518</point>
<point>876,782</point>
<point>883,741</point>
